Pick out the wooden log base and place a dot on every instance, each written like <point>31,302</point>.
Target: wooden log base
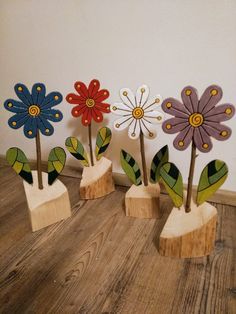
<point>49,205</point>
<point>97,181</point>
<point>143,201</point>
<point>191,234</point>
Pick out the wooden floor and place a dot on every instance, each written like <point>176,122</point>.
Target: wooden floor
<point>100,261</point>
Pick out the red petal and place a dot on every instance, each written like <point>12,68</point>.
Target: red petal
<point>93,88</point>
<point>75,99</point>
<point>78,110</point>
<point>103,107</point>
<point>101,95</point>
<point>87,117</point>
<point>81,89</point>
<point>97,115</point>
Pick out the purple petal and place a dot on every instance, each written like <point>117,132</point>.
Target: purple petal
<point>220,113</point>
<point>202,140</point>
<point>174,125</point>
<point>184,138</point>
<point>219,131</point>
<point>175,108</point>
<point>190,98</point>
<point>210,98</point>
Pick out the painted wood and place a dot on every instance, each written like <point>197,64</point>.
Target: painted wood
<point>143,201</point>
<point>49,205</point>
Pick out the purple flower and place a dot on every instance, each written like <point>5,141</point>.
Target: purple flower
<point>196,119</point>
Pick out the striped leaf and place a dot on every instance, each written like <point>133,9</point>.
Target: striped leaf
<point>172,179</point>
<point>212,177</point>
<point>56,163</point>
<point>19,162</point>
<point>158,161</point>
<point>130,167</point>
<point>77,150</point>
<point>102,142</point>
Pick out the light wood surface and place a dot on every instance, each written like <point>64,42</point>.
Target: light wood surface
<point>143,201</point>
<point>100,261</point>
<point>97,180</point>
<point>49,205</point>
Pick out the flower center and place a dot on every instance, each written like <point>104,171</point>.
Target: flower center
<point>196,119</point>
<point>34,110</point>
<point>90,102</point>
<point>138,113</point>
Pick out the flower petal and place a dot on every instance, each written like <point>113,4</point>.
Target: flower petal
<point>134,129</point>
<point>190,99</point>
<point>52,115</point>
<point>210,98</point>
<point>23,94</point>
<point>148,130</point>
<point>153,117</point>
<point>93,88</point>
<point>38,93</point>
<point>123,123</point>
<point>202,140</point>
<point>97,115</point>
<point>153,103</point>
<point>103,107</point>
<point>81,88</point>
<point>128,98</point>
<point>87,116</point>
<point>219,131</point>
<point>30,127</point>
<point>15,106</point>
<point>101,95</point>
<point>121,109</point>
<point>175,108</point>
<point>19,119</point>
<point>75,99</point>
<point>174,125</point>
<point>220,113</point>
<point>51,100</point>
<point>78,110</point>
<point>45,127</point>
<point>184,138</point>
<point>142,94</point>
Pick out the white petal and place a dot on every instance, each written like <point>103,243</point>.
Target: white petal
<point>120,109</point>
<point>142,95</point>
<point>134,129</point>
<point>148,130</point>
<point>127,97</point>
<point>153,103</point>
<point>123,123</point>
<point>154,117</point>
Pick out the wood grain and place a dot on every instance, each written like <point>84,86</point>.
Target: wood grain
<point>100,261</point>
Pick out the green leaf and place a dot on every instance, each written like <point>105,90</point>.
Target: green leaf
<point>158,161</point>
<point>212,177</point>
<point>172,179</point>
<point>102,142</point>
<point>77,150</point>
<point>19,162</point>
<point>56,163</point>
<point>130,167</point>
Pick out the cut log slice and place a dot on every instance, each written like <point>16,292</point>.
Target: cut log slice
<point>97,181</point>
<point>49,205</point>
<point>190,234</point>
<point>143,201</point>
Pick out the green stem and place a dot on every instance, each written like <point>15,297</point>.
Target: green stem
<point>39,161</point>
<point>90,143</point>
<point>142,149</point>
<point>190,178</point>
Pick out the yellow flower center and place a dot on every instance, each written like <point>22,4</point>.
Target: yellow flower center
<point>34,110</point>
<point>138,113</point>
<point>196,119</point>
<point>90,102</point>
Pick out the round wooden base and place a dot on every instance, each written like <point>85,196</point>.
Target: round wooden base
<point>143,201</point>
<point>49,205</point>
<point>191,234</point>
<point>97,181</point>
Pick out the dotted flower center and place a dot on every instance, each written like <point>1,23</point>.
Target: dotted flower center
<point>138,113</point>
<point>90,102</point>
<point>34,110</point>
<point>196,119</point>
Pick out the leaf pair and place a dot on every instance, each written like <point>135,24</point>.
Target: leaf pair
<point>76,148</point>
<point>19,162</point>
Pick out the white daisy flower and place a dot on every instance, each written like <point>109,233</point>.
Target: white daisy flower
<point>138,114</point>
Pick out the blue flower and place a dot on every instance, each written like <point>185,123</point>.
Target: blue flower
<point>34,110</point>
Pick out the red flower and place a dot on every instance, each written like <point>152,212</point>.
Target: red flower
<point>89,102</point>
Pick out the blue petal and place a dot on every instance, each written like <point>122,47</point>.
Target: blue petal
<point>23,94</point>
<point>52,115</point>
<point>51,100</point>
<point>45,127</point>
<point>16,121</point>
<point>15,106</point>
<point>30,128</point>
<point>38,93</point>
